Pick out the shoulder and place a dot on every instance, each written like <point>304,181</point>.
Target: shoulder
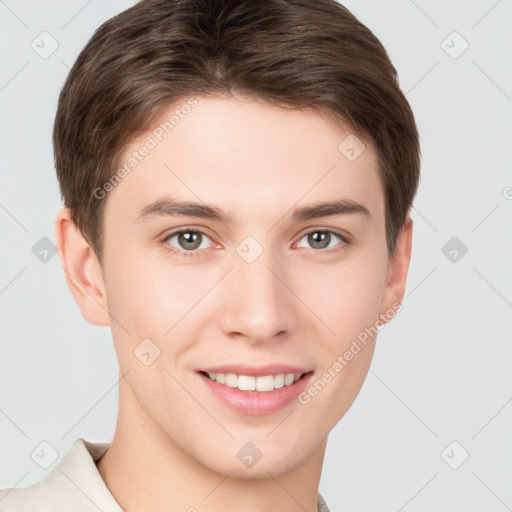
<point>55,492</point>
<point>73,484</point>
<point>28,499</point>
<point>322,505</point>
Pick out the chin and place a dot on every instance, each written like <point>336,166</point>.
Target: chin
<point>276,465</point>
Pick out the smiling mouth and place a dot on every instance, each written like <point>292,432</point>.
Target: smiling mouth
<point>263,383</point>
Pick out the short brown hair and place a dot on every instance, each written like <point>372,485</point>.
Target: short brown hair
<point>298,53</point>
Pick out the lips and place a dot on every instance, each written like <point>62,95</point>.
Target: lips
<point>254,390</point>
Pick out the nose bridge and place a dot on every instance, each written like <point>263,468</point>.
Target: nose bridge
<point>258,306</point>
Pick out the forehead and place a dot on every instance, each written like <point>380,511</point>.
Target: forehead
<point>245,155</point>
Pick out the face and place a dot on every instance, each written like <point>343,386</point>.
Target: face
<point>254,283</point>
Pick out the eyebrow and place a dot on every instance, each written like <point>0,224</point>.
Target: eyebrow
<point>170,207</point>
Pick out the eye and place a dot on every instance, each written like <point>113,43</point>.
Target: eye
<point>322,239</point>
<point>187,240</point>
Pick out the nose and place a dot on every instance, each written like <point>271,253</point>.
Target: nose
<point>258,304</point>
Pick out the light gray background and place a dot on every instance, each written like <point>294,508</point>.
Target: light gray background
<point>442,369</point>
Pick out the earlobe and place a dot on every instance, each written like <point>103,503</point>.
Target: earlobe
<point>397,272</point>
<point>81,268</point>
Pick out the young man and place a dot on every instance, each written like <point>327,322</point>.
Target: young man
<point>237,178</point>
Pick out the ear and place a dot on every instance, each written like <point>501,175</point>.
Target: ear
<point>397,271</point>
<point>83,273</point>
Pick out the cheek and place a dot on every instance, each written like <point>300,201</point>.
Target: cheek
<point>346,298</point>
<point>149,296</point>
<point>150,299</point>
<point>348,304</point>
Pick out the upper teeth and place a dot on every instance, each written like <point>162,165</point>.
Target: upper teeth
<point>250,383</point>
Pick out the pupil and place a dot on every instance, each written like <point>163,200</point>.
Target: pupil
<point>189,240</point>
<point>318,238</point>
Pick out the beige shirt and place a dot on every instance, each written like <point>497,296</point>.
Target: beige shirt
<point>74,484</point>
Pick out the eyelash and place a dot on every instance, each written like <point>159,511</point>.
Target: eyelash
<point>196,252</point>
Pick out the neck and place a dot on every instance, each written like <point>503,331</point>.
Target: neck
<point>145,469</point>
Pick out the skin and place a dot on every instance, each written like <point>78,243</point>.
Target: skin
<point>175,443</point>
